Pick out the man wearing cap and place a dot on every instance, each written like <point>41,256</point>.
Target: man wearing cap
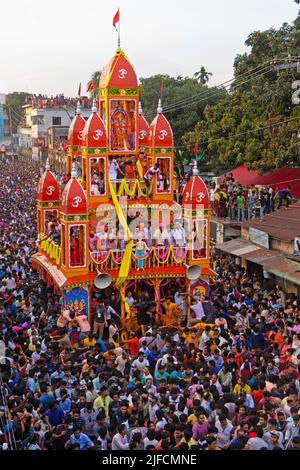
<point>272,425</point>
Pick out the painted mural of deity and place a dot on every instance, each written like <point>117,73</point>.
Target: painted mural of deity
<point>123,125</point>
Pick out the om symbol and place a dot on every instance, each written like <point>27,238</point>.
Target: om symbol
<point>162,134</point>
<point>76,201</point>
<point>200,196</point>
<point>80,134</point>
<point>97,134</point>
<point>142,134</point>
<point>50,190</point>
<point>122,73</point>
<point>187,197</point>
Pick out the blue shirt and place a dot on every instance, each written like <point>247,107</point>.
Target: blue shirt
<point>31,384</point>
<point>66,405</point>
<point>103,347</point>
<point>176,374</point>
<point>56,416</point>
<point>13,309</point>
<point>83,440</point>
<point>45,401</point>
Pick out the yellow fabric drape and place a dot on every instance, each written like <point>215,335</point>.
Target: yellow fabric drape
<point>126,304</point>
<point>126,261</point>
<point>139,169</point>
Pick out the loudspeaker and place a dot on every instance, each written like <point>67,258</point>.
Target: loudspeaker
<point>193,272</point>
<point>103,281</point>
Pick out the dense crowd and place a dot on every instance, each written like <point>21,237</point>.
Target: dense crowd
<point>42,101</point>
<point>232,200</point>
<point>227,378</point>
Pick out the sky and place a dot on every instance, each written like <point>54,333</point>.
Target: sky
<point>50,46</point>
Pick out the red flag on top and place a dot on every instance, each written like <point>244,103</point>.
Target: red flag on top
<point>90,87</point>
<point>196,148</point>
<point>79,90</point>
<point>116,19</point>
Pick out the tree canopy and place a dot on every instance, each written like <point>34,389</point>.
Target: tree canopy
<point>15,101</point>
<point>255,123</point>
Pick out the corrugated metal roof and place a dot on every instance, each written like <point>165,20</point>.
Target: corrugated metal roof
<point>234,246</point>
<point>285,268</point>
<point>262,255</point>
<point>271,260</point>
<point>283,224</point>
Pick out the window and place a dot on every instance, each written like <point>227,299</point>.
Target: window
<point>97,176</point>
<point>51,217</point>
<point>199,239</point>
<point>77,245</point>
<point>56,121</point>
<point>37,120</point>
<point>164,178</point>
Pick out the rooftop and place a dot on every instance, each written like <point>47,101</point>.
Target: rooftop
<point>284,224</point>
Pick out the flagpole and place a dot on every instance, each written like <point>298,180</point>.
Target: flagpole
<point>119,32</point>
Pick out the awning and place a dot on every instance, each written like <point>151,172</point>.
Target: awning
<point>272,261</point>
<point>284,268</point>
<point>247,250</point>
<point>237,247</point>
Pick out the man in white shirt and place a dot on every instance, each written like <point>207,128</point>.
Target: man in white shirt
<point>140,363</point>
<point>224,427</point>
<point>178,235</point>
<point>161,236</point>
<point>109,310</point>
<point>10,282</point>
<point>113,168</point>
<point>120,440</point>
<point>129,299</point>
<point>198,311</point>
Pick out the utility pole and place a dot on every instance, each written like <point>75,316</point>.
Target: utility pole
<point>11,132</point>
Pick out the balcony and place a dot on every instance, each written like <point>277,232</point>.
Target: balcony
<point>51,249</point>
<point>153,258</point>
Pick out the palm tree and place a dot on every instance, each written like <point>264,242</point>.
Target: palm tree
<point>95,78</point>
<point>202,76</point>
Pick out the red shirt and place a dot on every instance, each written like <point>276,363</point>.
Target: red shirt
<point>133,346</point>
<point>257,395</point>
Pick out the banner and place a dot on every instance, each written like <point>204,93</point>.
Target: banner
<point>126,262</point>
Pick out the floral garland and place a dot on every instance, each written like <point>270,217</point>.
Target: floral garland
<point>162,258</point>
<point>131,192</point>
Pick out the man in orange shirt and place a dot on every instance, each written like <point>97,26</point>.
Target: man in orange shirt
<point>133,344</point>
<point>130,169</point>
<point>172,314</point>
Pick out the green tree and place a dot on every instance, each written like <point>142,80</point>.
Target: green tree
<point>14,103</point>
<point>255,122</point>
<point>202,76</point>
<point>178,107</point>
<point>95,78</point>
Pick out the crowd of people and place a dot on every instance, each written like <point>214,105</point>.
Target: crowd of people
<point>231,200</point>
<point>43,101</point>
<point>224,378</point>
